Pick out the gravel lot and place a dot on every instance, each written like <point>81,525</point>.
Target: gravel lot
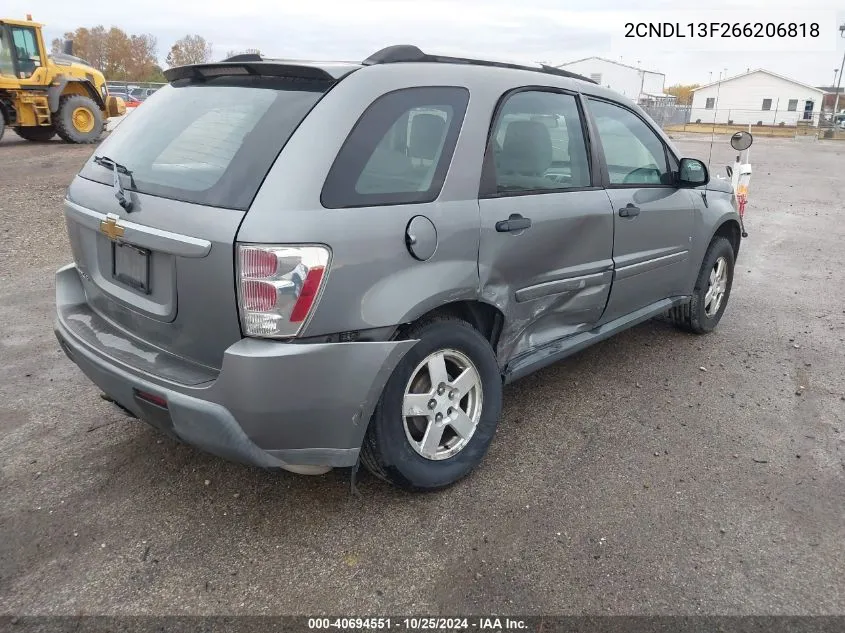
<point>627,480</point>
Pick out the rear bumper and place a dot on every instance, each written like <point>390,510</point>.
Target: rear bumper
<point>272,404</point>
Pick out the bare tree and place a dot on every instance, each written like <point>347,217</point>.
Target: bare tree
<point>191,49</point>
<point>114,52</point>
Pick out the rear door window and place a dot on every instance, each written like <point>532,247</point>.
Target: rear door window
<point>537,145</point>
<point>399,151</point>
<point>211,143</point>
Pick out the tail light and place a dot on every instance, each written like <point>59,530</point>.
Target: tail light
<point>279,287</point>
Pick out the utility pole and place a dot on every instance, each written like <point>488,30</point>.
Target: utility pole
<point>839,80</point>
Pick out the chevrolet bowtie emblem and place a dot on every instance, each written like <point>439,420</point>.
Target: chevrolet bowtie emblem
<point>110,228</point>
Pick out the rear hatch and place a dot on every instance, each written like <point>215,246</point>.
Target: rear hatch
<point>189,161</point>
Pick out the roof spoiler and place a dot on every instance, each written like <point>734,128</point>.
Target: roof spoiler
<point>252,66</point>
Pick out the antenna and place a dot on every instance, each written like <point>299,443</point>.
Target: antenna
<point>713,129</point>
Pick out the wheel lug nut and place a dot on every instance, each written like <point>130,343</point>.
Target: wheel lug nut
<point>440,390</point>
<point>453,394</point>
<point>432,403</point>
<point>438,417</point>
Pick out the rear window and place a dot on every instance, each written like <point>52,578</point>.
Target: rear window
<point>211,143</point>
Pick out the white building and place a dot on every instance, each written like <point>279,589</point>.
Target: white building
<point>755,96</point>
<point>641,86</point>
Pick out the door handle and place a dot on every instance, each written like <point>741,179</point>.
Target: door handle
<point>514,223</point>
<point>629,211</point>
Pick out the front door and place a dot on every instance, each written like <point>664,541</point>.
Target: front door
<point>546,231</point>
<point>808,110</point>
<point>653,219</point>
<point>26,52</point>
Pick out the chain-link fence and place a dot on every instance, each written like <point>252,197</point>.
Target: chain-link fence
<point>774,122</point>
<point>670,114</point>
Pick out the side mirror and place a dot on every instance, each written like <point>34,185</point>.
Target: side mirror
<point>741,141</point>
<point>692,173</point>
<point>67,47</point>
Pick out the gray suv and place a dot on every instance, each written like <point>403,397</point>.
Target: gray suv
<point>308,265</point>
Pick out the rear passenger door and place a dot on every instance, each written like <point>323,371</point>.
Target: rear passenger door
<point>545,255</point>
<point>653,218</point>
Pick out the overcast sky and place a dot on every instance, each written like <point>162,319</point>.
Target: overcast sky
<point>530,30</point>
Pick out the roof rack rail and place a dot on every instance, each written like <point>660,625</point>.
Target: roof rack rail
<point>409,53</point>
<point>245,57</point>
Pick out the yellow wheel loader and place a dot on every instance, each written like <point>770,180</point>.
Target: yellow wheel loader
<point>44,95</point>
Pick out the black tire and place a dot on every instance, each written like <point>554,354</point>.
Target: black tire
<point>40,134</point>
<point>63,120</point>
<point>693,316</point>
<point>386,451</point>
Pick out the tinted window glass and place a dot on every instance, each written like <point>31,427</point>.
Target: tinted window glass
<point>399,151</point>
<point>27,50</point>
<point>634,153</point>
<point>6,66</point>
<point>407,155</point>
<point>210,143</point>
<point>538,144</point>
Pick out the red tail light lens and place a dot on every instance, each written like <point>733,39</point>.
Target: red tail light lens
<point>256,262</point>
<point>307,295</point>
<point>259,295</point>
<point>279,287</point>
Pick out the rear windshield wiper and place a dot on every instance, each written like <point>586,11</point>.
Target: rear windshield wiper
<point>118,169</point>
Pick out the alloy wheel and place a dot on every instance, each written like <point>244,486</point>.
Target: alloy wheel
<point>441,407</point>
<point>717,286</point>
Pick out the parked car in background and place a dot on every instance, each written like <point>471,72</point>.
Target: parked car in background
<point>460,224</point>
<point>129,100</point>
<point>141,94</point>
